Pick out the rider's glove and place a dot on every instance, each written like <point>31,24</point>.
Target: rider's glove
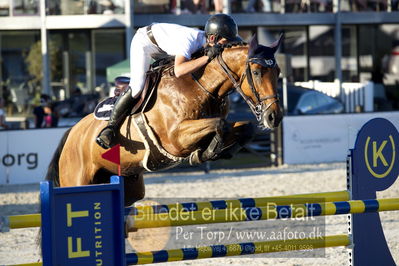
<point>213,51</point>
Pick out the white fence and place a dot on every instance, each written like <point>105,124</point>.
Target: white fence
<point>357,97</point>
<point>26,154</point>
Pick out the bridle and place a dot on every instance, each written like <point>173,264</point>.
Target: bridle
<point>259,106</point>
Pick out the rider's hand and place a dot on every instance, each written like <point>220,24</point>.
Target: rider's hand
<point>213,51</point>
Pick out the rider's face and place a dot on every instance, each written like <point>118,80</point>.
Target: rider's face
<point>223,41</point>
<point>212,38</point>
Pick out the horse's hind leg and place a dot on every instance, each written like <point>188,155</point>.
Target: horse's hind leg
<point>72,171</point>
<point>133,184</point>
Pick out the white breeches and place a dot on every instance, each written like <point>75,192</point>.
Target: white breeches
<point>142,50</point>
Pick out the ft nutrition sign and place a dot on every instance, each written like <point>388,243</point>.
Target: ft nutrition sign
<point>85,223</point>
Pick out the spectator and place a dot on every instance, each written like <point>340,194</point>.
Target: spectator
<point>3,124</point>
<point>55,116</point>
<point>107,6</point>
<point>194,6</point>
<point>265,6</point>
<point>78,102</point>
<point>92,7</point>
<point>77,92</point>
<point>38,111</point>
<point>7,97</point>
<point>218,6</point>
<point>47,116</point>
<point>51,116</point>
<point>201,6</point>
<point>189,7</point>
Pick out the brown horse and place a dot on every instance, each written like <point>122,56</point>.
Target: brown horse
<point>183,121</point>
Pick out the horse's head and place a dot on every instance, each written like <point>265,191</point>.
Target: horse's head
<point>260,88</point>
<point>253,72</point>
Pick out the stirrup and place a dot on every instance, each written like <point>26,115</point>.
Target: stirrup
<point>100,142</point>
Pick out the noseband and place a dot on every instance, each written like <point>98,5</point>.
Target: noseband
<point>259,106</point>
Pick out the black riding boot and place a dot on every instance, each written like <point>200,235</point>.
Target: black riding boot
<point>122,108</point>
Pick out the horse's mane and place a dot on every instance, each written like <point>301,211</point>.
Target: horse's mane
<point>204,50</point>
<point>233,44</point>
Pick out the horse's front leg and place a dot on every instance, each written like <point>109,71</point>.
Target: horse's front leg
<point>190,135</point>
<point>202,139</point>
<point>226,144</point>
<point>241,133</point>
<point>212,138</point>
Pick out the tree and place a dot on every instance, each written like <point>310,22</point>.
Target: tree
<point>34,61</point>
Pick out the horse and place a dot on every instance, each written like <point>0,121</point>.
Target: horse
<point>183,121</point>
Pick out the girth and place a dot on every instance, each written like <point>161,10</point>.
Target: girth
<point>156,157</point>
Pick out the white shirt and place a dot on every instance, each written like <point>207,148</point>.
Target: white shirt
<point>178,40</point>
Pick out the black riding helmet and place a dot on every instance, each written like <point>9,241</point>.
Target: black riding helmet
<point>222,26</point>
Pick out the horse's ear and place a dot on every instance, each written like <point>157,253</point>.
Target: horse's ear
<point>277,43</point>
<point>253,44</point>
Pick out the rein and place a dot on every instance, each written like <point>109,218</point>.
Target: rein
<point>258,107</point>
<point>202,87</point>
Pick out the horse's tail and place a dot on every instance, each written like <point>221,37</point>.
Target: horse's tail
<point>53,168</point>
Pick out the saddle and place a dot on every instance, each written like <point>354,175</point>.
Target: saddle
<point>157,69</point>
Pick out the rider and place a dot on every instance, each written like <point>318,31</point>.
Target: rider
<point>161,39</point>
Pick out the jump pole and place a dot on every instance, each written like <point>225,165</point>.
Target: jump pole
<point>239,249</point>
<point>262,213</point>
<point>34,220</point>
